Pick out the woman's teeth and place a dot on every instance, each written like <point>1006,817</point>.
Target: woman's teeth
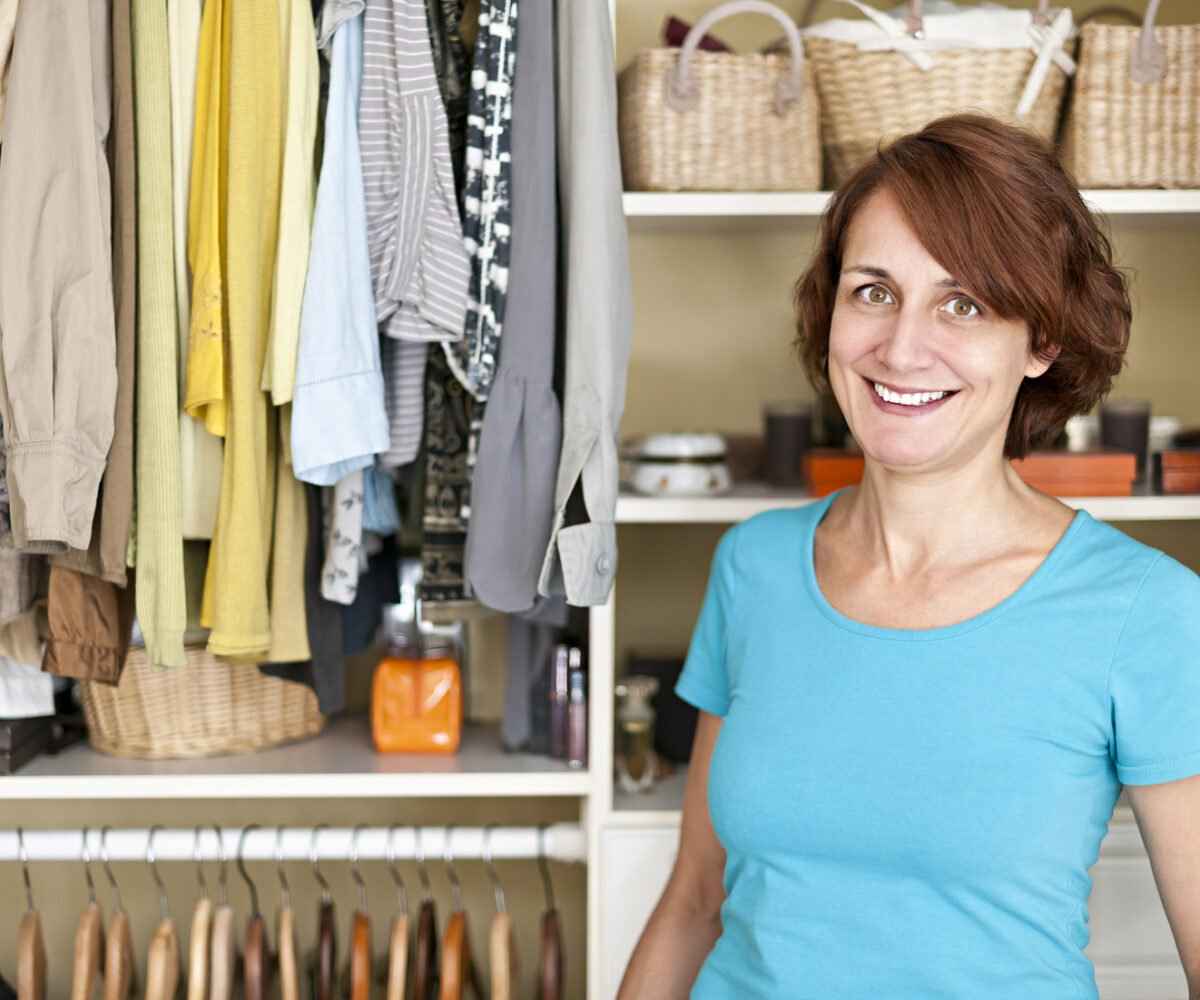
<point>905,398</point>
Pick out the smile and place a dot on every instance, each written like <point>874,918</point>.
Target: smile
<point>924,401</point>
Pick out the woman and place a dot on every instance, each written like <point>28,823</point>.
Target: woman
<point>919,697</point>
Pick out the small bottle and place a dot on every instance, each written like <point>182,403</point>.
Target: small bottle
<point>559,694</point>
<point>637,764</point>
<point>577,712</point>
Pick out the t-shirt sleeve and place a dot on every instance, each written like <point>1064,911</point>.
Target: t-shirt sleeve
<point>704,681</point>
<point>1154,680</point>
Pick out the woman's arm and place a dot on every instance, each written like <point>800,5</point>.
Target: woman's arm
<point>687,920</point>
<point>1168,816</point>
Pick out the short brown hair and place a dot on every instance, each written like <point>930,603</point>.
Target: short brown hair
<point>993,205</point>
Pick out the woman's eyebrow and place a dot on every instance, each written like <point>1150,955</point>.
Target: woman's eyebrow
<point>880,272</point>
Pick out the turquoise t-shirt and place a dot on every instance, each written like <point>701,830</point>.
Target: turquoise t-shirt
<point>912,813</point>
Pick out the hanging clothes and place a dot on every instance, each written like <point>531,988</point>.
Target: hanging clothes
<point>419,268</point>
<point>161,591</point>
<point>581,559</point>
<point>204,398</point>
<point>25,692</point>
<point>338,418</point>
<point>512,484</point>
<point>452,59</point>
<point>487,221</point>
<point>344,532</point>
<point>200,453</point>
<point>57,325</point>
<point>8,22</point>
<point>261,509</point>
<point>298,186</point>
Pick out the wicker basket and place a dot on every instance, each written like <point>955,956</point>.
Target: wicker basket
<point>713,121</point>
<point>205,708</point>
<point>1134,117</point>
<point>872,95</point>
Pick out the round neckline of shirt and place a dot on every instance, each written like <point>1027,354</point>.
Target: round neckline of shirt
<point>1054,556</point>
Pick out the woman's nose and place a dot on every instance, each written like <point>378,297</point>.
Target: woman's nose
<point>905,343</point>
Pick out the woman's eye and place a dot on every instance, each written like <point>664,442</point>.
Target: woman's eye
<point>875,295</point>
<point>963,308</point>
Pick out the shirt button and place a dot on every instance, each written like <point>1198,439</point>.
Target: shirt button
<point>603,565</point>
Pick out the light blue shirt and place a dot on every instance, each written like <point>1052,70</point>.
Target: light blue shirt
<point>338,417</point>
<point>912,813</point>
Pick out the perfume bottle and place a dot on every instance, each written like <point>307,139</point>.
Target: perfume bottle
<point>637,764</point>
<point>576,711</point>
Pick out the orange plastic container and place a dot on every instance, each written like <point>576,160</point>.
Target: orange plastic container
<point>416,705</point>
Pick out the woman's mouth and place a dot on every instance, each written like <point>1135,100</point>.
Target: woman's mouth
<point>907,404</point>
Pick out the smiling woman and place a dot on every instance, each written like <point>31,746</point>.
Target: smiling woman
<point>920,697</point>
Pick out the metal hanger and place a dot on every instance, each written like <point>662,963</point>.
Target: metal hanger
<point>164,905</point>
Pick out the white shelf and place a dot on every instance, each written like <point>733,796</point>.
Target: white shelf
<point>748,499</point>
<point>340,763</point>
<point>798,204</point>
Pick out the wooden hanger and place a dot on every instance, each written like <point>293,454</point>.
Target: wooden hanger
<point>120,963</point>
<point>31,944</point>
<point>425,971</point>
<point>257,960</point>
<point>324,965</point>
<point>502,952</point>
<point>162,961</point>
<point>285,931</point>
<point>550,965</point>
<point>360,931</point>
<point>397,966</point>
<point>200,935</point>
<point>222,954</point>
<point>458,965</point>
<point>162,965</point>
<point>89,939</point>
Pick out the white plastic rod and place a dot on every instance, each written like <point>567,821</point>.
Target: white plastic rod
<point>559,842</point>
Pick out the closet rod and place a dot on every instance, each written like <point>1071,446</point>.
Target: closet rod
<point>561,842</point>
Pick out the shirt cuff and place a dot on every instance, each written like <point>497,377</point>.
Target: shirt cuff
<point>53,491</point>
<point>588,556</point>
<point>338,427</point>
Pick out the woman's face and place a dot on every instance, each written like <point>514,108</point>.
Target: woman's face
<point>902,323</point>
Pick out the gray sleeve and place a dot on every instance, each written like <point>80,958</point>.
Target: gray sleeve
<point>581,560</point>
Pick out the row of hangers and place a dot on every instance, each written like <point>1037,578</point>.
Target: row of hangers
<point>105,959</point>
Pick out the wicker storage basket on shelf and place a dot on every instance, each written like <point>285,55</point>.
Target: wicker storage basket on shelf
<point>872,89</point>
<point>204,708</point>
<point>1134,116</point>
<point>691,120</point>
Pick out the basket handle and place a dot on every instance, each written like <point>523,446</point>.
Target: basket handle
<point>915,24</point>
<point>1148,60</point>
<point>682,93</point>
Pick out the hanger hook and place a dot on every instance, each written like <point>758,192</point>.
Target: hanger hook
<point>86,857</point>
<point>241,867</point>
<point>285,890</point>
<point>163,904</point>
<point>326,892</point>
<point>107,867</point>
<point>223,871</point>
<point>451,874</point>
<point>422,871</point>
<point>401,888</point>
<point>25,868</point>
<point>501,907</point>
<point>354,872</point>
<point>200,879</point>
<point>547,885</point>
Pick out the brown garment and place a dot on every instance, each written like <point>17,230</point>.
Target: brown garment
<point>90,622</point>
<point>110,528</point>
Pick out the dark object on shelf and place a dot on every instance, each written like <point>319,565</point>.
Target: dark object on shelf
<point>1125,426</point>
<point>829,425</point>
<point>1177,470</point>
<point>788,437</point>
<point>25,743</point>
<point>745,455</point>
<point>675,31</point>
<point>1188,437</point>
<point>675,719</point>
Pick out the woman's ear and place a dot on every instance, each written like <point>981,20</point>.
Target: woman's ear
<point>1040,363</point>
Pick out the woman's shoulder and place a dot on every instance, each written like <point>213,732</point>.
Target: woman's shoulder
<point>1109,556</point>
